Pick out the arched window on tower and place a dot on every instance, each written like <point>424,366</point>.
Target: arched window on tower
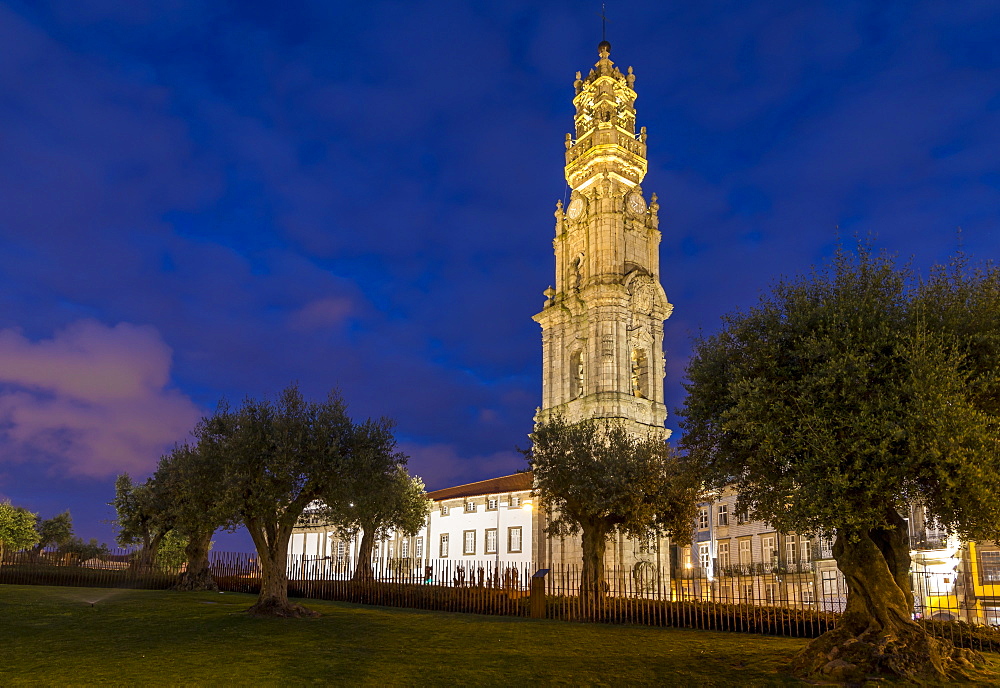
<point>576,374</point>
<point>640,373</point>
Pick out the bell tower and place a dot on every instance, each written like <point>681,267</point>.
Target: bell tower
<point>602,323</point>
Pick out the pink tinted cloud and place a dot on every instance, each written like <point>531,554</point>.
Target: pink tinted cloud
<point>92,401</point>
<point>322,314</point>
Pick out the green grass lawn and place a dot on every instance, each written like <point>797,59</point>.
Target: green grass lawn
<point>53,636</point>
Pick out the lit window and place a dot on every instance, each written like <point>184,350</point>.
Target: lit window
<point>723,555</point>
<point>491,541</point>
<point>791,551</point>
<point>704,556</point>
<point>989,566</point>
<point>514,539</point>
<point>829,580</point>
<point>746,555</point>
<point>444,545</point>
<point>767,548</point>
<point>469,542</point>
<point>723,515</point>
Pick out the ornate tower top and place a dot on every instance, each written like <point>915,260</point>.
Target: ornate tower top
<point>602,321</point>
<point>606,140</point>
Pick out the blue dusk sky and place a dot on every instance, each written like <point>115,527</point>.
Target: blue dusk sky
<point>204,199</point>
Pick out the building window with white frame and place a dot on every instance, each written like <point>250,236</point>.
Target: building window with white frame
<point>404,548</point>
<point>704,556</point>
<point>493,503</point>
<point>443,552</point>
<point>491,541</point>
<point>808,596</point>
<point>515,502</point>
<point>791,550</point>
<point>805,548</point>
<point>514,539</point>
<point>767,549</point>
<point>826,547</point>
<point>746,554</point>
<point>703,518</point>
<point>723,555</point>
<point>723,515</point>
<point>444,510</point>
<point>470,507</point>
<point>418,548</point>
<point>469,542</point>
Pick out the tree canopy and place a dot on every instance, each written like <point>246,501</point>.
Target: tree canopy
<point>54,532</point>
<point>376,495</point>
<point>274,458</point>
<point>143,518</point>
<point>17,528</point>
<point>598,478</point>
<point>841,398</point>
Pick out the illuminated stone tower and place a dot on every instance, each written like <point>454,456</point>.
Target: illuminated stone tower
<point>602,324</point>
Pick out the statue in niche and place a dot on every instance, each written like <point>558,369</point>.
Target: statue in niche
<point>576,369</point>
<point>639,373</point>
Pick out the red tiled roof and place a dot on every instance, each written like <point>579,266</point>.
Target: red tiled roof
<point>506,483</point>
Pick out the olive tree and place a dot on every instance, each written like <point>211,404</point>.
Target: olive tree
<point>376,496</point>
<point>143,518</point>
<point>840,399</point>
<point>275,458</point>
<point>596,478</point>
<point>192,480</point>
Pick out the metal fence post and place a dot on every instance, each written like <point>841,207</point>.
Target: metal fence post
<point>538,594</point>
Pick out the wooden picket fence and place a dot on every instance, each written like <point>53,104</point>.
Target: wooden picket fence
<point>776,602</point>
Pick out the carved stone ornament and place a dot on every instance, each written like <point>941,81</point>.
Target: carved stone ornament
<point>643,294</point>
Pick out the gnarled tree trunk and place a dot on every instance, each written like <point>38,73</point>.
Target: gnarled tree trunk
<point>363,569</point>
<point>876,635</point>
<point>272,555</point>
<point>595,542</point>
<point>198,575</point>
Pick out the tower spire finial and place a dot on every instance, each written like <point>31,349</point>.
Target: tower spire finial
<point>604,46</point>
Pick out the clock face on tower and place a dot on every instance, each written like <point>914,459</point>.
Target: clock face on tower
<point>576,207</point>
<point>636,204</point>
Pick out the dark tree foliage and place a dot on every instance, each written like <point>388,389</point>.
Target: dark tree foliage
<point>143,518</point>
<point>376,496</point>
<point>598,479</point>
<point>192,482</point>
<point>840,399</point>
<point>53,532</point>
<point>80,550</point>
